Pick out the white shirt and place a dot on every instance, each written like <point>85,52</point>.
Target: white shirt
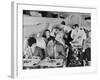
<point>78,36</point>
<point>41,42</point>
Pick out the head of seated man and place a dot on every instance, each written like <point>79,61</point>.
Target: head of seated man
<point>31,41</point>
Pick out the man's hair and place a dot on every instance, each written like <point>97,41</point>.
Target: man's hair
<point>76,25</point>
<point>31,41</point>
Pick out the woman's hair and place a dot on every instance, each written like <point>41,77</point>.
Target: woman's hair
<point>44,33</point>
<point>31,41</point>
<point>63,23</point>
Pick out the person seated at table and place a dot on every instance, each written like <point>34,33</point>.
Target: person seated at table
<point>31,41</point>
<point>34,48</point>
